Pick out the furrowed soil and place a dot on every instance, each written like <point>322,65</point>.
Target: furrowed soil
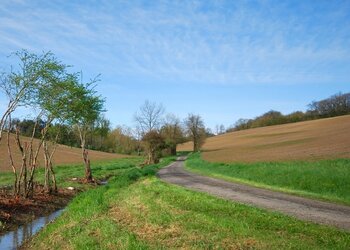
<point>311,140</point>
<point>64,154</point>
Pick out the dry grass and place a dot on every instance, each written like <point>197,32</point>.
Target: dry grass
<point>311,140</point>
<point>64,154</point>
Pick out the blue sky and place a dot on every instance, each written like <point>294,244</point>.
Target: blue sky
<point>224,60</point>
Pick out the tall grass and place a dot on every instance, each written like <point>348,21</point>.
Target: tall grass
<point>325,179</point>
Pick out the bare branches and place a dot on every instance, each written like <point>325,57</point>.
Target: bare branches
<point>150,116</point>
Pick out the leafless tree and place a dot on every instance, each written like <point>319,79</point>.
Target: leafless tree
<point>149,117</point>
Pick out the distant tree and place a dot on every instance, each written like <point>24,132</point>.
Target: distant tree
<point>335,105</point>
<point>121,140</point>
<point>243,124</point>
<point>196,130</point>
<point>219,129</point>
<point>149,117</point>
<point>172,132</point>
<point>154,143</point>
<point>296,116</point>
<point>271,117</point>
<point>209,132</point>
<point>102,128</point>
<point>149,120</point>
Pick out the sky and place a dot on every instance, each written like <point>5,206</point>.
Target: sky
<point>223,60</point>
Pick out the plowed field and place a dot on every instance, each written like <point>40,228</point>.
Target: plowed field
<point>64,154</point>
<point>311,140</point>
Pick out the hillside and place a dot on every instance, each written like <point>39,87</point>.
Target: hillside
<point>64,154</point>
<point>311,140</point>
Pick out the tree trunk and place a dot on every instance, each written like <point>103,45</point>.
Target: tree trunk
<point>53,176</point>
<point>11,162</point>
<point>173,150</point>
<point>88,173</point>
<point>85,155</point>
<point>47,183</point>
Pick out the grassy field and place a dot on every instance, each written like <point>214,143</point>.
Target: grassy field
<point>64,155</point>
<point>325,179</point>
<point>64,174</point>
<point>138,211</point>
<point>311,140</point>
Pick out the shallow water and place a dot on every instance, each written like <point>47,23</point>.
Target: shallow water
<point>15,238</point>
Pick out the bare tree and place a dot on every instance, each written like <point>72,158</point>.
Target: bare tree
<point>149,120</point>
<point>196,130</point>
<point>219,129</point>
<point>149,117</point>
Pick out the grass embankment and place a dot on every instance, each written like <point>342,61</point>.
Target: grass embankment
<point>138,211</point>
<point>325,179</point>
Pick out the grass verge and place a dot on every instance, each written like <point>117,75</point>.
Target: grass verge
<point>325,179</point>
<point>138,211</point>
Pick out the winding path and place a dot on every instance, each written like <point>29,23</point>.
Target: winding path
<point>302,208</point>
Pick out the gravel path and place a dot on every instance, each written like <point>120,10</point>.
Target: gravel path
<point>302,208</point>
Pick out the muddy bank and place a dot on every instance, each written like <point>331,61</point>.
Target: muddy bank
<point>16,212</point>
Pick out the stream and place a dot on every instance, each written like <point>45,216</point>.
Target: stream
<point>14,239</point>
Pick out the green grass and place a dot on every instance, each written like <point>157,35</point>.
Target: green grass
<point>325,179</point>
<point>64,174</point>
<point>135,211</point>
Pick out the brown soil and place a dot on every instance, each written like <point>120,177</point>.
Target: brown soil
<point>16,212</point>
<point>311,140</point>
<point>64,154</point>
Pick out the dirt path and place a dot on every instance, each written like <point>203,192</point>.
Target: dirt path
<point>302,208</point>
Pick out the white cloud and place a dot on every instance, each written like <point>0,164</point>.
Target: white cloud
<point>182,41</point>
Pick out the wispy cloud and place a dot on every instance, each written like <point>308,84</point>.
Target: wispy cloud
<point>189,41</point>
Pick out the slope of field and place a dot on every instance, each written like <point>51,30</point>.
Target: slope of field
<point>64,154</point>
<point>311,140</point>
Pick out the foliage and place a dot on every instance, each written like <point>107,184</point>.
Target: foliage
<point>153,142</point>
<point>22,84</point>
<point>84,107</point>
<point>335,105</point>
<point>121,140</point>
<point>195,130</point>
<point>172,133</point>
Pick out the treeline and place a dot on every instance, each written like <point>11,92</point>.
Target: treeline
<point>96,138</point>
<point>155,133</point>
<point>336,105</point>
